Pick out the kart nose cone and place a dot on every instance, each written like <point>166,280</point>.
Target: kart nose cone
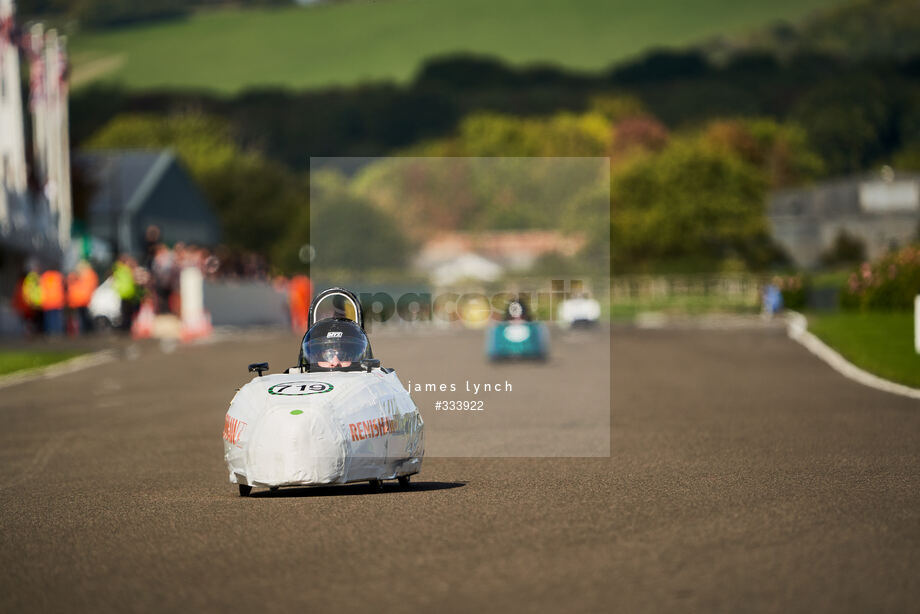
<point>295,445</point>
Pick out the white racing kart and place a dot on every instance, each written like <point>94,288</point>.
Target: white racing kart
<point>335,418</point>
<point>579,312</point>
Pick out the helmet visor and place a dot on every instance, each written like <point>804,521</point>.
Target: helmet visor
<point>334,352</point>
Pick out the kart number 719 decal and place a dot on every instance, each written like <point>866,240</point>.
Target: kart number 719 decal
<point>296,389</point>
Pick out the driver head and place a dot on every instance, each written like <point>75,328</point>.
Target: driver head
<point>334,344</point>
<point>517,310</point>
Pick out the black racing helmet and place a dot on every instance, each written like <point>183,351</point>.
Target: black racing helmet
<point>517,309</point>
<point>334,344</point>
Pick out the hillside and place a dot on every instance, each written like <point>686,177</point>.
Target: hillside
<point>351,42</point>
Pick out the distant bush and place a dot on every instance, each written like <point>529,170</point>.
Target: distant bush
<point>356,235</point>
<point>794,289</point>
<point>847,249</point>
<point>690,201</point>
<point>661,64</point>
<point>888,284</point>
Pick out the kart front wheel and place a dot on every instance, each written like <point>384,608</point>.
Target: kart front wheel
<point>404,481</point>
<point>245,489</point>
<point>375,485</point>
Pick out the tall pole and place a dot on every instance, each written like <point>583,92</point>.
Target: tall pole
<point>66,205</point>
<point>57,164</point>
<point>13,169</point>
<point>37,101</point>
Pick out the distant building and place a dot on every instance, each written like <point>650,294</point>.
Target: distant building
<point>512,249</point>
<point>484,256</point>
<point>881,211</point>
<point>467,266</point>
<point>134,189</point>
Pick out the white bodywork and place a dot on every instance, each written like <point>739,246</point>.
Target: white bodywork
<point>578,310</point>
<point>322,428</point>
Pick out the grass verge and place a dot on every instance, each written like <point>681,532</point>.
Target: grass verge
<point>19,360</point>
<point>881,343</point>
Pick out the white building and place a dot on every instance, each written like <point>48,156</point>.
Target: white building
<point>880,211</point>
<point>35,205</point>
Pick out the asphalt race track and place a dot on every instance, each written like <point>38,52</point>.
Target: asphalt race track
<point>744,475</point>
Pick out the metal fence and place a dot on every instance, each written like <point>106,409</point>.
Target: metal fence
<point>730,290</point>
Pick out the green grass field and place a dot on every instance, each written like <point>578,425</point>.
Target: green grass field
<point>881,343</point>
<point>11,360</point>
<point>350,42</point>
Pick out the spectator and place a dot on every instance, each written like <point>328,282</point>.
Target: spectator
<point>772,299</point>
<point>151,243</point>
<point>299,291</point>
<point>160,278</point>
<point>52,301</point>
<point>81,283</point>
<point>163,269</point>
<point>27,302</point>
<point>123,275</point>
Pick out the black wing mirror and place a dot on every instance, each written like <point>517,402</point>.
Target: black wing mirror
<point>370,363</point>
<point>258,367</point>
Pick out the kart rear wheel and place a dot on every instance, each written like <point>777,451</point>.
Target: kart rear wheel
<point>245,489</point>
<point>404,481</point>
<point>375,485</point>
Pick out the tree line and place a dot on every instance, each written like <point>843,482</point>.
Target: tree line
<point>856,113</point>
<point>113,13</point>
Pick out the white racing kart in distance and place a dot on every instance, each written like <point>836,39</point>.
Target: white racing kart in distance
<point>579,312</point>
<point>335,418</point>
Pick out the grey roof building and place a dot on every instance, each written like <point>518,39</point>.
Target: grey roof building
<point>137,188</point>
<point>881,211</point>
